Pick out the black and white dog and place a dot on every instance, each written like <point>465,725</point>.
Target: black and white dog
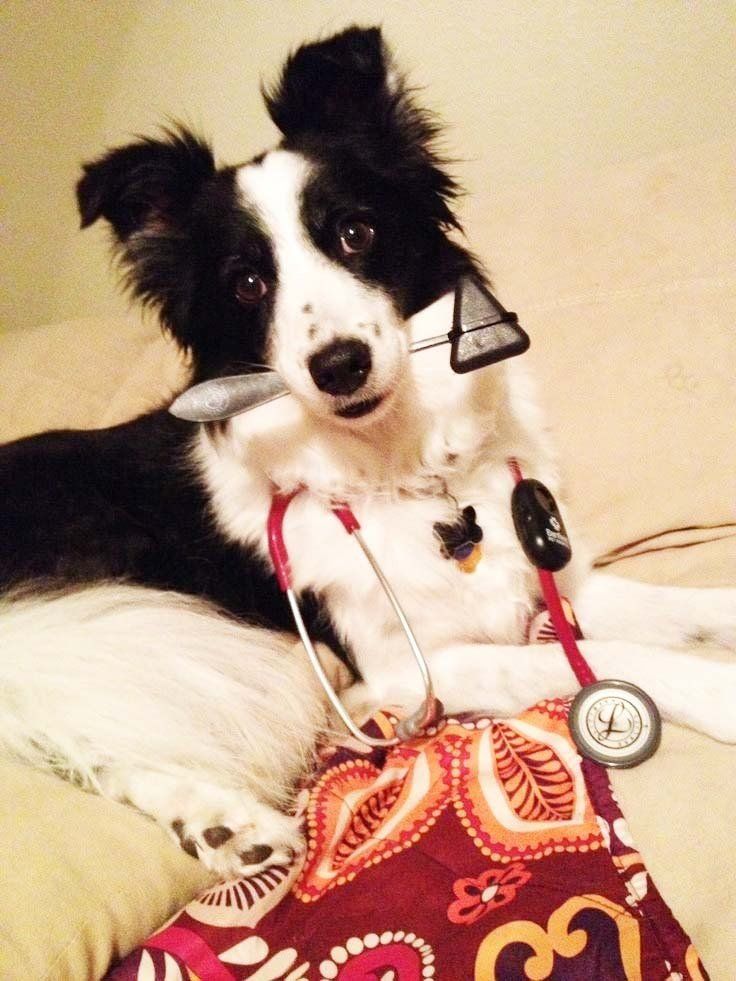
<point>323,259</point>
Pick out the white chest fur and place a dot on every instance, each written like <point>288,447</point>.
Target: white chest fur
<point>446,445</point>
<point>443,603</point>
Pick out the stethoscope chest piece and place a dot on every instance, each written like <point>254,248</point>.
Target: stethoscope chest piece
<point>615,723</point>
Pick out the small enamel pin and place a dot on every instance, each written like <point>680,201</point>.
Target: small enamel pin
<point>461,539</point>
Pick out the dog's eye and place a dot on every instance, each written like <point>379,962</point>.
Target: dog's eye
<point>250,288</point>
<point>356,236</point>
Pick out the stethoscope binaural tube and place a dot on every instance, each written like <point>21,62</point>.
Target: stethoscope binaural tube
<point>430,709</point>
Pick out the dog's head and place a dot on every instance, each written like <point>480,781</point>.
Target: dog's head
<point>308,259</point>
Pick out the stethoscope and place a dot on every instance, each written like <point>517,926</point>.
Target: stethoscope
<point>430,709</point>
<point>483,333</point>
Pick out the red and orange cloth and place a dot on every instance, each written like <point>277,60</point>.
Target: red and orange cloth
<point>485,849</point>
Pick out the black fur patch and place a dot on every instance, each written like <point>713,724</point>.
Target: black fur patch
<point>149,183</point>
<point>182,236</point>
<point>341,104</point>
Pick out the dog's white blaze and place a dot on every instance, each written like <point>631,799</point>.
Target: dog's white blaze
<point>317,300</point>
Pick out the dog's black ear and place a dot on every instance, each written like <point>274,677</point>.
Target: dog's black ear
<point>346,90</point>
<point>148,192</point>
<point>147,184</point>
<point>330,86</point>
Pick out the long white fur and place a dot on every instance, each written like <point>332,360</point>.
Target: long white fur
<point>117,678</point>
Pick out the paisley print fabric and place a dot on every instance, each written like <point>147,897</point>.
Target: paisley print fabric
<point>485,850</point>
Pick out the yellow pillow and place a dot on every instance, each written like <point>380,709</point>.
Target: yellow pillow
<point>83,880</point>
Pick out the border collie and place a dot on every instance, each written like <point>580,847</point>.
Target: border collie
<point>145,651</point>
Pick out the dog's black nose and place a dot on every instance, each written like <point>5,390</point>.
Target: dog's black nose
<point>341,367</point>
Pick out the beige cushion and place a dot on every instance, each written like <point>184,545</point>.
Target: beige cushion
<point>626,284</point>
<point>84,373</point>
<point>83,879</point>
<point>707,563</point>
<point>679,807</point>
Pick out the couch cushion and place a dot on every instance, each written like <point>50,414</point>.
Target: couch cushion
<point>83,879</point>
<point>689,557</point>
<point>679,809</point>
<point>85,373</point>
<point>626,282</point>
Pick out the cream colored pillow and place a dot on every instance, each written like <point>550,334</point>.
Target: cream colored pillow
<point>85,374</point>
<point>83,879</point>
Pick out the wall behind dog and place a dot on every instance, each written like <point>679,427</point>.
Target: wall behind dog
<point>550,91</point>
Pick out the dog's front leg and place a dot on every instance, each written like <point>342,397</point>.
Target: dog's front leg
<point>693,691</point>
<point>610,608</point>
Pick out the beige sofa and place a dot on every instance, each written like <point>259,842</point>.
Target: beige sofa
<point>627,287</point>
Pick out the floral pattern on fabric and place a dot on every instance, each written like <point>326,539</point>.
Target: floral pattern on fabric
<point>489,890</point>
<point>487,849</point>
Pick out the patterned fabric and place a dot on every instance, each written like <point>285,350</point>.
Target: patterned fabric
<point>484,850</point>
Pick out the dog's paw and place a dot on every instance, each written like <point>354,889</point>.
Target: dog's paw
<point>236,835</point>
<point>359,702</point>
<point>232,832</point>
<point>338,673</point>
